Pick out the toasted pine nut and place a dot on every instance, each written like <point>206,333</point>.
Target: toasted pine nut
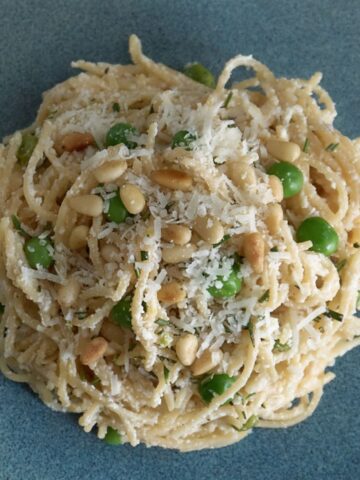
<point>287,151</point>
<point>178,234</point>
<point>173,179</point>
<point>78,237</point>
<point>208,360</point>
<point>109,253</point>
<point>241,175</point>
<point>68,293</point>
<point>276,188</point>
<point>110,171</point>
<point>171,293</point>
<point>209,229</point>
<point>186,348</point>
<point>254,251</point>
<point>354,235</point>
<point>274,218</point>
<point>258,98</point>
<point>90,205</point>
<point>112,332</point>
<point>132,198</point>
<point>73,141</point>
<point>177,253</point>
<point>93,350</point>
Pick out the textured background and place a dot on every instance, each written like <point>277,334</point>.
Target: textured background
<point>38,39</point>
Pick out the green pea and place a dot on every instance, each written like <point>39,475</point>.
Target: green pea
<point>215,385</point>
<point>121,312</point>
<point>290,176</point>
<point>120,133</point>
<point>200,74</point>
<point>323,236</point>
<point>38,252</point>
<point>230,286</point>
<point>28,144</point>
<point>113,437</point>
<point>183,139</point>
<point>117,211</point>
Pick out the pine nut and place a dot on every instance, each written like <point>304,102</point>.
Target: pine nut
<point>171,293</point>
<point>177,253</point>
<point>186,348</point>
<point>254,251</point>
<point>173,179</point>
<point>110,171</point>
<point>287,151</point>
<point>274,218</point>
<point>132,198</point>
<point>241,175</point>
<point>112,332</point>
<point>90,205</point>
<point>78,237</point>
<point>208,360</point>
<point>354,235</point>
<point>257,98</point>
<point>209,229</point>
<point>276,188</point>
<point>73,142</point>
<point>93,351</point>
<point>68,293</point>
<point>109,253</point>
<point>178,234</point>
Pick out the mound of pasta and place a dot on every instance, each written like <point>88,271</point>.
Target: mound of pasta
<point>179,260</point>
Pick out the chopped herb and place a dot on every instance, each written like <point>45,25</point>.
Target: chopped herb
<point>227,101</point>
<point>340,264</point>
<point>81,315</point>
<point>95,381</point>
<point>281,347</point>
<point>232,125</point>
<point>250,423</point>
<point>144,255</point>
<point>2,308</point>
<point>18,227</point>
<point>306,145</point>
<point>162,322</point>
<point>264,297</point>
<point>331,147</point>
<point>116,107</point>
<point>224,239</point>
<point>356,245</point>
<point>246,398</point>
<point>166,374</point>
<point>137,273</point>
<point>113,437</point>
<point>274,249</point>
<point>334,315</point>
<point>250,328</point>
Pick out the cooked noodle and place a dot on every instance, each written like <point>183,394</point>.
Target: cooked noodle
<point>275,337</point>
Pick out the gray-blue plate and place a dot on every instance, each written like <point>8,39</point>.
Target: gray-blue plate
<point>38,40</point>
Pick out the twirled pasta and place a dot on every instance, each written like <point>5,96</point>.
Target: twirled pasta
<point>295,312</point>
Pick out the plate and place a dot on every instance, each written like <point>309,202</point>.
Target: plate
<point>38,40</point>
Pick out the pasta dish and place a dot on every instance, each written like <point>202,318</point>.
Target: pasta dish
<point>180,257</point>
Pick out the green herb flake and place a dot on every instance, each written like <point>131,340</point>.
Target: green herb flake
<point>81,314</point>
<point>281,347</point>
<point>113,437</point>
<point>340,264</point>
<point>332,147</point>
<point>137,273</point>
<point>274,249</point>
<point>116,107</point>
<point>166,374</point>
<point>144,255</point>
<point>334,315</point>
<point>2,308</point>
<point>264,297</point>
<point>247,397</point>
<point>228,99</point>
<point>250,328</point>
<point>224,239</point>
<point>162,322</point>
<point>306,145</point>
<point>250,423</point>
<point>18,227</point>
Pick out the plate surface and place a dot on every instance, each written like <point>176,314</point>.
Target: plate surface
<point>38,40</point>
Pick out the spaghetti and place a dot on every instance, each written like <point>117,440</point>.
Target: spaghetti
<point>157,273</point>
